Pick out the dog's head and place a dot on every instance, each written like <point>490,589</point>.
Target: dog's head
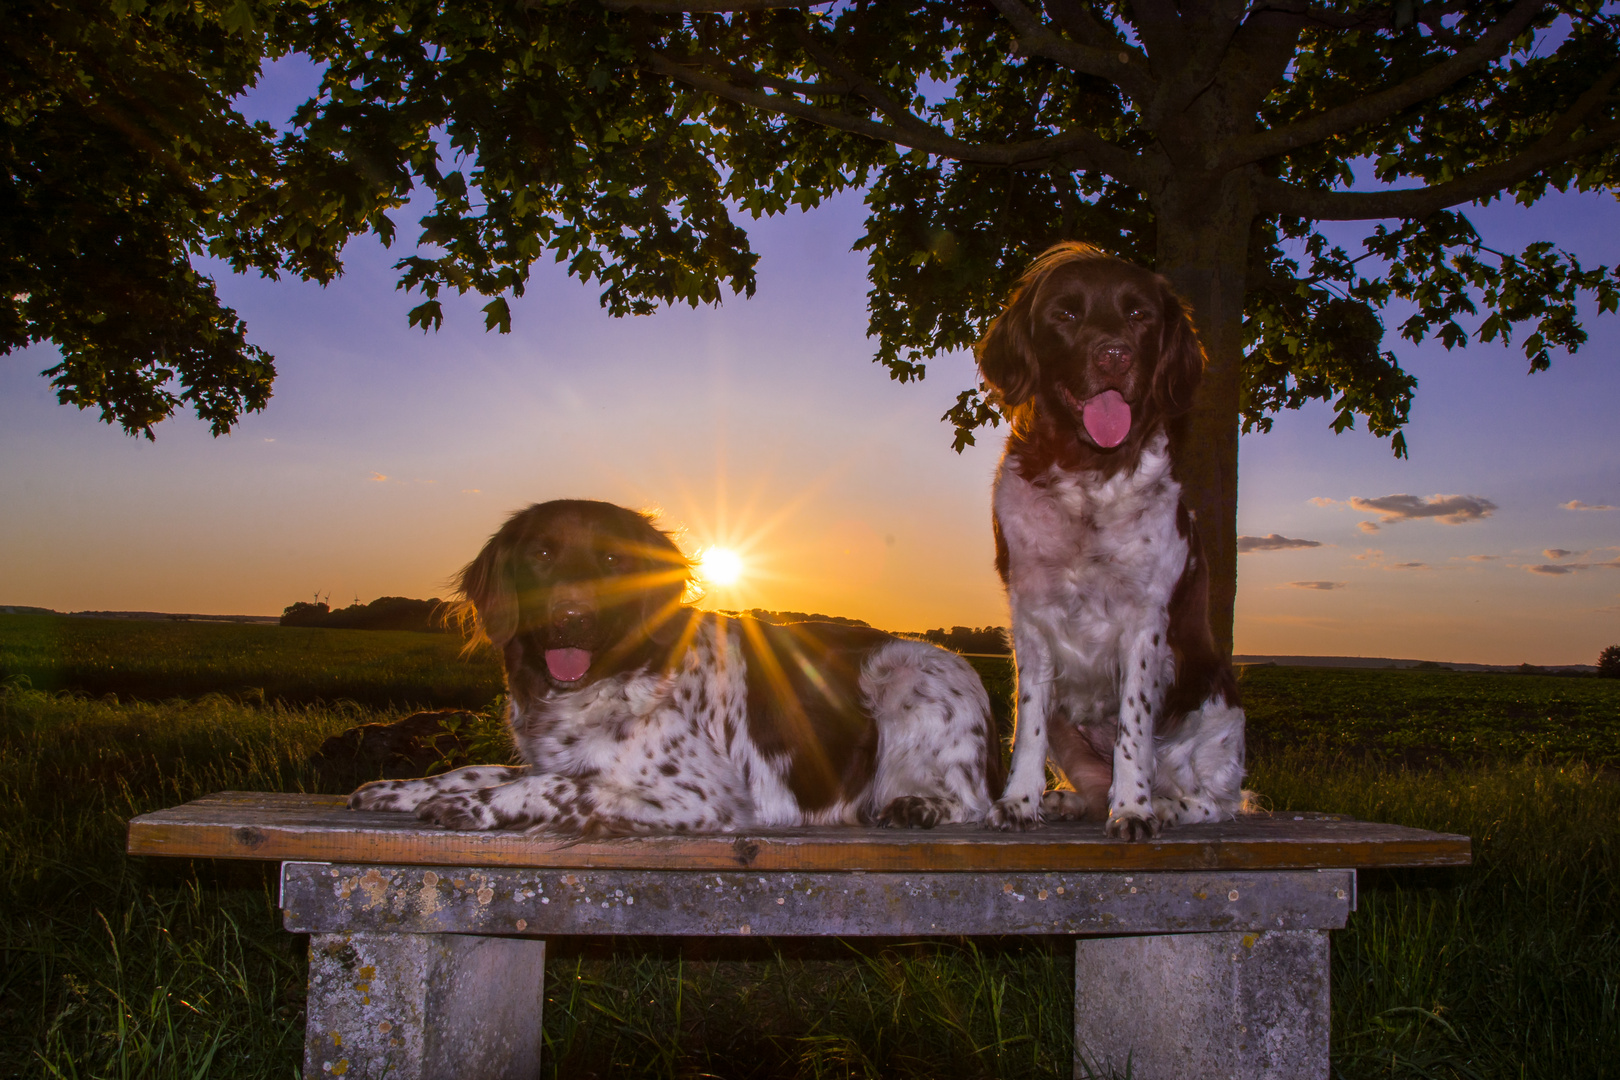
<point>1095,344</point>
<point>573,590</point>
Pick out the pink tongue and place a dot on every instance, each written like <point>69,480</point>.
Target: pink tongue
<point>567,665</point>
<point>1107,418</point>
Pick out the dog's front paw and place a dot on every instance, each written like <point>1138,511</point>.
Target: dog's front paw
<point>458,810</point>
<point>1014,813</point>
<point>381,795</point>
<point>1132,827</point>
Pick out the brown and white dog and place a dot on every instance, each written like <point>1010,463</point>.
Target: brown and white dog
<point>1119,678</point>
<point>635,713</point>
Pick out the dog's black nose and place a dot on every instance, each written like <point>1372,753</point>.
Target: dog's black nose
<point>1113,359</point>
<point>573,622</point>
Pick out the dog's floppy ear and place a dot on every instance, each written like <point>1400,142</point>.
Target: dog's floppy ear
<point>1181,356</point>
<point>1007,351</point>
<point>488,585</point>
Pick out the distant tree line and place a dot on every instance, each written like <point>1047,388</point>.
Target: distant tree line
<point>782,618</point>
<point>971,639</point>
<point>383,613</point>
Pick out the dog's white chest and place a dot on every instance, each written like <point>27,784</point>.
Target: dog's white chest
<point>1090,558</point>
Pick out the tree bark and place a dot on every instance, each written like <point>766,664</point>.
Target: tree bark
<point>1203,241</point>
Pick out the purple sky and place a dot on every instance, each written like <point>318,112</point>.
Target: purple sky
<point>386,457</point>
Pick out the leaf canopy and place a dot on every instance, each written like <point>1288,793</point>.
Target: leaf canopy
<point>628,140</point>
<point>625,140</point>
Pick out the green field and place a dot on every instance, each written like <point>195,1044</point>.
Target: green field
<point>154,661</point>
<point>1429,717</point>
<point>117,967</point>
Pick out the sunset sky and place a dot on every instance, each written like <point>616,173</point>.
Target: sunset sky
<point>386,457</point>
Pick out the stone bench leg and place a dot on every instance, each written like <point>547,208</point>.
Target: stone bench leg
<point>423,1007</point>
<point>1244,1006</point>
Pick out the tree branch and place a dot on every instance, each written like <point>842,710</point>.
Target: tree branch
<point>1281,197</point>
<point>705,7</point>
<point>1116,64</point>
<point>1081,149</point>
<point>1082,24</point>
<point>861,86</point>
<point>1158,24</point>
<point>1386,103</point>
<point>1302,15</point>
<point>1196,72</point>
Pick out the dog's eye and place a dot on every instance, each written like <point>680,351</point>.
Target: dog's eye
<point>1063,314</point>
<point>1139,315</point>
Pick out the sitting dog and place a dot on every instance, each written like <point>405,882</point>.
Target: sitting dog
<point>1119,678</point>
<point>635,713</point>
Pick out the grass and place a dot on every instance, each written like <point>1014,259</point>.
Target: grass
<point>812,1009</point>
<point>1508,968</point>
<point>117,967</point>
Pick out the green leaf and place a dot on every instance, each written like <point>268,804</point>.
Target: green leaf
<point>497,314</point>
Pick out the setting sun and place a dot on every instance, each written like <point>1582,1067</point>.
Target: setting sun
<point>720,566</point>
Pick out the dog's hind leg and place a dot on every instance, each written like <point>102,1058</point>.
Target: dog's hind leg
<point>1200,771</point>
<point>935,737</point>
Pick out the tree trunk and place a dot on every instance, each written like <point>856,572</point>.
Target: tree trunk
<point>1203,251</point>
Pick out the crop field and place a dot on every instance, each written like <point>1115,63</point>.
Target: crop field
<point>119,967</point>
<point>160,660</point>
<point>1428,717</point>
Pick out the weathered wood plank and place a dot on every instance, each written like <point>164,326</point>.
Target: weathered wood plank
<point>323,898</point>
<point>281,827</point>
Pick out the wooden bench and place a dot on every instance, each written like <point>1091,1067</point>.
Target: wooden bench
<point>1203,953</point>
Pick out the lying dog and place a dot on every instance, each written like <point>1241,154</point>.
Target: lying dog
<point>637,714</point>
<point>1119,678</point>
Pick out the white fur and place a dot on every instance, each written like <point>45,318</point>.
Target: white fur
<point>1093,562</point>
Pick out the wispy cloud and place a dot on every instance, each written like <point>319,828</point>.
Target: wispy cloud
<point>1483,558</point>
<point>1368,527</point>
<point>1320,586</point>
<point>378,478</point>
<point>1446,509</point>
<point>1560,569</point>
<point>1323,500</point>
<point>1576,504</point>
<point>472,491</point>
<point>1374,557</point>
<point>1556,553</point>
<point>1273,542</point>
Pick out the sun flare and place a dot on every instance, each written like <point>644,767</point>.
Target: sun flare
<point>720,566</point>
